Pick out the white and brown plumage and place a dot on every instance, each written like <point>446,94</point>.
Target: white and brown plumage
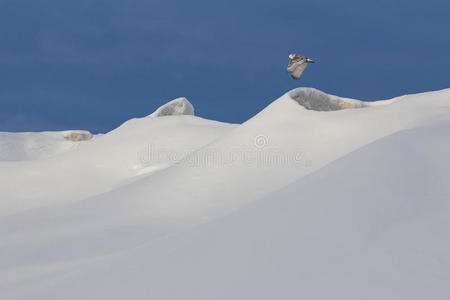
<point>297,65</point>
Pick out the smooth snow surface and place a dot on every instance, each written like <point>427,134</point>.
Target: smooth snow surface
<point>301,201</point>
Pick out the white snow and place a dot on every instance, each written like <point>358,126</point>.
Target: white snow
<point>301,201</point>
<point>137,147</point>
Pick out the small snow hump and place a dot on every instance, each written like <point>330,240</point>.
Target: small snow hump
<point>297,65</point>
<point>179,106</point>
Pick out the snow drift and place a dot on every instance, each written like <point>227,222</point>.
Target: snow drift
<point>293,200</point>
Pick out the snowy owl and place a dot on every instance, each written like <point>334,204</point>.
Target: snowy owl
<point>297,65</point>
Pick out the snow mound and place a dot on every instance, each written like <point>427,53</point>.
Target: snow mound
<point>313,99</point>
<point>140,146</point>
<point>179,106</point>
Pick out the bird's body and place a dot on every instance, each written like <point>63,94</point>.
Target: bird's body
<point>297,65</point>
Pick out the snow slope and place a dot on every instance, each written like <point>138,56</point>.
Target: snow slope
<point>295,202</point>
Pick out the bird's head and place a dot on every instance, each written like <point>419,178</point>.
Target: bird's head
<point>291,56</point>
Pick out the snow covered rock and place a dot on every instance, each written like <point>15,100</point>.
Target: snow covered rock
<point>317,100</point>
<point>78,136</point>
<point>179,106</point>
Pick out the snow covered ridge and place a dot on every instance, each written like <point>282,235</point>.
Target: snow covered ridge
<point>179,106</point>
<point>313,99</point>
<point>24,146</point>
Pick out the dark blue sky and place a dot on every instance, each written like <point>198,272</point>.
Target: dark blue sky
<point>94,64</point>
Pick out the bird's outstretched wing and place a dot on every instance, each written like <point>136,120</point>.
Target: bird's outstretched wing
<point>297,69</point>
<point>295,60</point>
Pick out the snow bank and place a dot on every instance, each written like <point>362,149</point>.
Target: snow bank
<point>179,106</point>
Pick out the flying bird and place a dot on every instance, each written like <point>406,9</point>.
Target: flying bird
<point>297,65</point>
